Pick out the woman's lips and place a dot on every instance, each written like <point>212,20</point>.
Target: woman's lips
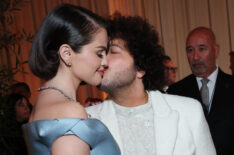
<point>101,72</point>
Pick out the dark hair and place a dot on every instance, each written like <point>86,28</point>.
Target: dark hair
<point>166,57</point>
<point>21,84</point>
<point>12,99</point>
<point>65,24</point>
<point>231,53</point>
<point>141,40</point>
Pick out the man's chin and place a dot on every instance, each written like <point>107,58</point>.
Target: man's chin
<point>100,86</point>
<point>199,73</point>
<point>103,87</point>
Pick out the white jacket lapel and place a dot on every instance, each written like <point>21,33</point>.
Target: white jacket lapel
<point>108,117</point>
<point>166,124</point>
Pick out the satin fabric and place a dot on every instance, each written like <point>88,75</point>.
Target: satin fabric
<point>40,135</point>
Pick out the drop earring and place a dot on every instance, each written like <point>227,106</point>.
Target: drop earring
<point>69,64</point>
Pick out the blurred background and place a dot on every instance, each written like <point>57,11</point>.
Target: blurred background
<point>173,19</point>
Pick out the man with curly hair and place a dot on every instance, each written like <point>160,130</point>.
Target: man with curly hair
<point>141,118</point>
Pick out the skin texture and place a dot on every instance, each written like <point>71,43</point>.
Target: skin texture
<point>170,72</point>
<point>202,52</point>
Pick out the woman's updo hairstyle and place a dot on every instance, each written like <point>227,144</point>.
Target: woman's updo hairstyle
<point>65,24</point>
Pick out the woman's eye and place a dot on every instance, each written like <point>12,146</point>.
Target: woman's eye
<point>100,54</point>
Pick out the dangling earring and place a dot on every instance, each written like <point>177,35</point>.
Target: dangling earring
<point>69,64</point>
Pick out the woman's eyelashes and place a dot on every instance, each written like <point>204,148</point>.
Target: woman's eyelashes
<point>100,53</point>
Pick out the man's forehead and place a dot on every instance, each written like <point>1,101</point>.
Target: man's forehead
<point>198,41</point>
<point>200,37</point>
<point>117,42</point>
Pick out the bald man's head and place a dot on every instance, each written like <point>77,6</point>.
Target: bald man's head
<point>202,51</point>
<point>203,30</point>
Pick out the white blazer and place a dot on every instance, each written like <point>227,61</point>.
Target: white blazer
<point>180,125</point>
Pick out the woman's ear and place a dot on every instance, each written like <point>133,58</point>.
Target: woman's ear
<point>65,52</point>
<point>140,74</point>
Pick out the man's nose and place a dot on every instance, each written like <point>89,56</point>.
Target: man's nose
<point>196,55</point>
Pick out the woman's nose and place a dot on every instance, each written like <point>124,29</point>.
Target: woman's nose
<point>104,63</point>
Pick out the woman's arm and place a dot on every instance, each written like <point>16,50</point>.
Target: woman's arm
<point>70,145</point>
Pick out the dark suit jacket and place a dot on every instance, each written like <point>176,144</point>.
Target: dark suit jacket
<point>221,115</point>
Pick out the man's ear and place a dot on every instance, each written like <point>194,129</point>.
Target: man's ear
<point>65,52</point>
<point>140,74</point>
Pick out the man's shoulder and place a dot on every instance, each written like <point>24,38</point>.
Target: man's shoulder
<point>226,77</point>
<point>182,85</point>
<point>96,109</point>
<point>176,100</point>
<point>186,106</point>
<point>186,79</point>
<point>172,98</point>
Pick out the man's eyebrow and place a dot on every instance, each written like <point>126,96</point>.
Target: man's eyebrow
<point>116,45</point>
<point>189,46</point>
<point>202,45</point>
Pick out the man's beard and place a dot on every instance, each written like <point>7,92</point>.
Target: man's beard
<point>198,71</point>
<point>118,80</point>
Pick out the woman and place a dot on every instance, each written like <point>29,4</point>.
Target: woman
<point>70,47</point>
<point>16,112</point>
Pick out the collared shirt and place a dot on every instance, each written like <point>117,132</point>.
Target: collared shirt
<point>211,84</point>
<point>165,89</point>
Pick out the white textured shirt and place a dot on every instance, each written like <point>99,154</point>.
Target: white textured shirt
<point>136,125</point>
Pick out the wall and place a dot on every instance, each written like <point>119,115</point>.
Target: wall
<point>173,20</point>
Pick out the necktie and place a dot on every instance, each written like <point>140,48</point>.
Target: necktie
<point>205,93</point>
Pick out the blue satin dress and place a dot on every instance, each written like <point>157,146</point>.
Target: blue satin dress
<point>40,135</point>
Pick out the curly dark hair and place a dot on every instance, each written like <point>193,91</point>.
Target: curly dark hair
<point>141,39</point>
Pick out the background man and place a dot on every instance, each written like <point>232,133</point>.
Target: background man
<point>170,72</point>
<point>211,86</point>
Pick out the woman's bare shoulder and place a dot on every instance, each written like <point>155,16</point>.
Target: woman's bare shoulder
<point>72,109</point>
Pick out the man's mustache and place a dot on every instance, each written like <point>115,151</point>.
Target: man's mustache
<point>198,62</point>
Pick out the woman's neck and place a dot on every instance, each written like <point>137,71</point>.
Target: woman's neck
<point>64,83</point>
